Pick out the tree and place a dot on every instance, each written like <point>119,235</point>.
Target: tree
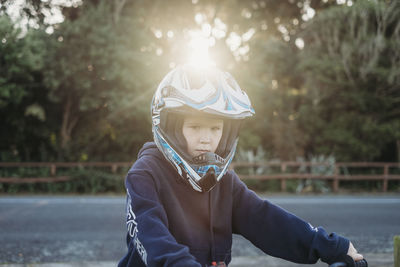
<point>249,39</point>
<point>24,108</point>
<point>94,69</point>
<point>98,76</point>
<point>278,94</point>
<point>351,63</point>
<point>103,63</point>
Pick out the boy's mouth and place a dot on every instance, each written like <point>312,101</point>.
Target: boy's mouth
<point>201,151</point>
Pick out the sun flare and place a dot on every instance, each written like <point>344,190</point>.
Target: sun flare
<point>198,50</point>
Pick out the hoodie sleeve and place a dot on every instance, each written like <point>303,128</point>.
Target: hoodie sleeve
<point>149,241</point>
<point>280,233</point>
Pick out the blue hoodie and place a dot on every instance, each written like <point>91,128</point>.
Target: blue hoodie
<point>170,224</point>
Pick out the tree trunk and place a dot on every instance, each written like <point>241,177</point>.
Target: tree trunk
<point>68,123</point>
<point>119,4</point>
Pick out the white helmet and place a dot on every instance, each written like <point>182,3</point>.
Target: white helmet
<point>212,92</point>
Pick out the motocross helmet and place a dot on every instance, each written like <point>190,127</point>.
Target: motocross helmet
<point>203,92</point>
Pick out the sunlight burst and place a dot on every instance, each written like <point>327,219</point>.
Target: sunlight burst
<point>198,50</point>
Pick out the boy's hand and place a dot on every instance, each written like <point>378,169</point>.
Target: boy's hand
<point>352,252</point>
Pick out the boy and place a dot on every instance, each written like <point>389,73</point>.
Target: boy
<point>183,205</point>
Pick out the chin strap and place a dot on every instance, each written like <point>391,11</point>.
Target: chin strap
<point>208,181</point>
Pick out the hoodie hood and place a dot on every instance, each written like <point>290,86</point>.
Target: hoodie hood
<point>150,149</point>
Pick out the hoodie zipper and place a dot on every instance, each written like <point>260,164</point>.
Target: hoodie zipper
<point>211,227</point>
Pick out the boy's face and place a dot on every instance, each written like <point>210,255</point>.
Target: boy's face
<point>202,134</point>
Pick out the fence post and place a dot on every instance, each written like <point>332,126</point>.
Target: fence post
<point>396,251</point>
<point>114,168</point>
<point>53,169</point>
<point>385,179</point>
<point>336,178</point>
<point>283,181</point>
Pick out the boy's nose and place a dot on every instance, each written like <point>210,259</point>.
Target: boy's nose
<point>205,136</point>
<point>205,139</point>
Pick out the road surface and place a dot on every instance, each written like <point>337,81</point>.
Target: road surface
<point>78,229</point>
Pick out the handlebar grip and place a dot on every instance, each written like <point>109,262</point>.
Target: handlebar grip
<point>361,263</point>
<point>349,262</point>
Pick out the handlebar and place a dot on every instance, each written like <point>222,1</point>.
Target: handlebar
<point>348,261</point>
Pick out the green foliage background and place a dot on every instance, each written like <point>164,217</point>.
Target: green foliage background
<point>82,93</point>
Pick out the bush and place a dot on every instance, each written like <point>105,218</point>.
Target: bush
<point>82,181</point>
<point>93,181</point>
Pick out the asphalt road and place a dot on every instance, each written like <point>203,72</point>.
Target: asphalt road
<point>92,229</point>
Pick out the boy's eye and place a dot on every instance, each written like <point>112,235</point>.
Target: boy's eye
<point>217,128</point>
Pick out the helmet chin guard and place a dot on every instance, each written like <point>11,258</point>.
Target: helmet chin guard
<point>202,172</point>
<point>204,92</point>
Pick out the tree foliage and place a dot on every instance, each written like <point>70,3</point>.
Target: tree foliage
<point>352,70</point>
<point>23,102</point>
<point>98,76</point>
<point>82,90</point>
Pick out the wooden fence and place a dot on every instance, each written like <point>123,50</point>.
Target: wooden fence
<point>334,172</point>
<point>53,166</point>
<point>282,171</point>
